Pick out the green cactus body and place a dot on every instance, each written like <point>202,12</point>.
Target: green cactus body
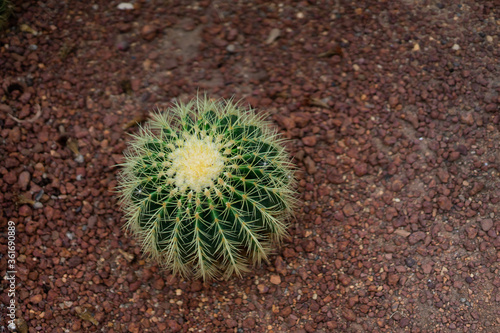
<point>207,187</point>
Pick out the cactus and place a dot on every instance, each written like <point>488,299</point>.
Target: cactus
<point>5,12</point>
<point>207,188</point>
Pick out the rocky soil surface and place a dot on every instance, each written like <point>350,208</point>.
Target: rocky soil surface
<point>392,111</point>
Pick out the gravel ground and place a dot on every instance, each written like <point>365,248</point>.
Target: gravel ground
<point>392,110</point>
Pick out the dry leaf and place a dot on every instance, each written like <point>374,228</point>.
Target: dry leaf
<point>136,121</point>
<point>273,35</point>
<point>128,256</point>
<point>21,200</point>
<point>317,102</point>
<point>21,325</point>
<point>402,232</point>
<point>335,50</point>
<point>73,146</point>
<point>86,315</point>
<point>35,117</point>
<point>27,28</point>
<point>66,49</point>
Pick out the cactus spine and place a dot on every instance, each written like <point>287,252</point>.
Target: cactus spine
<point>207,188</point>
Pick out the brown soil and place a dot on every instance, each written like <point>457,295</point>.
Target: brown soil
<point>392,111</point>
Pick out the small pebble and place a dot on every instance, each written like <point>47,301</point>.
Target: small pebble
<point>35,299</point>
<point>148,32</point>
<point>349,315</point>
<point>404,322</point>
<point>125,6</point>
<point>309,140</point>
<point>275,279</point>
<point>410,262</point>
<point>122,45</point>
<point>79,158</point>
<point>486,224</point>
<point>25,210</point>
<point>24,180</point>
<point>39,195</point>
<point>262,288</point>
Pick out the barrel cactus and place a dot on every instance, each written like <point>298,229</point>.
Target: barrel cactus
<point>207,187</point>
